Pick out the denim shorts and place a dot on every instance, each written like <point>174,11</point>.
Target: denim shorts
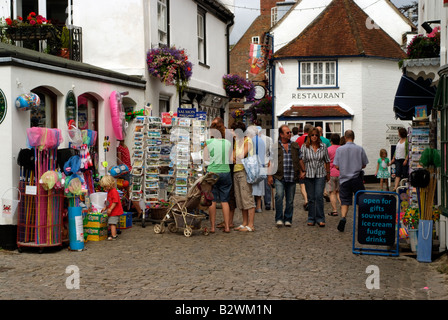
<point>221,189</point>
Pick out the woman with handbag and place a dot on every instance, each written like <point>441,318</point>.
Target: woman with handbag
<point>315,165</point>
<point>216,154</point>
<point>243,190</point>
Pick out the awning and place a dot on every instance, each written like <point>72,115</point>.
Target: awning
<point>315,111</point>
<point>412,93</point>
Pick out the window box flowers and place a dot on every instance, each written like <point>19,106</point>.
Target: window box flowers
<point>237,87</point>
<point>171,66</point>
<point>34,27</point>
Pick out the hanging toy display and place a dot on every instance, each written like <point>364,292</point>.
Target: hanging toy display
<point>52,179</point>
<point>27,101</point>
<point>74,180</point>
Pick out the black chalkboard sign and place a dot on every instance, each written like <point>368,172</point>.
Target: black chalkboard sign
<point>377,218</point>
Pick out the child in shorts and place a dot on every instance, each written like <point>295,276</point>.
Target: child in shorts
<point>113,207</point>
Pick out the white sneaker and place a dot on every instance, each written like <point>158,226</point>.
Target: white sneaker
<point>279,223</point>
<point>288,224</point>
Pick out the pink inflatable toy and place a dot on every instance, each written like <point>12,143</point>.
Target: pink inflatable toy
<point>117,115</point>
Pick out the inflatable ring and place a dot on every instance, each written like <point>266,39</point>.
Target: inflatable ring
<point>27,101</point>
<point>117,115</point>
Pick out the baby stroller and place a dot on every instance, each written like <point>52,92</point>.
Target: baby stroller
<point>185,209</point>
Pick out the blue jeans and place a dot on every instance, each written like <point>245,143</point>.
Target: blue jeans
<point>284,190</point>
<point>315,192</point>
<point>267,193</point>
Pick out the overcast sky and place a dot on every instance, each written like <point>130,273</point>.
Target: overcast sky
<point>247,10</point>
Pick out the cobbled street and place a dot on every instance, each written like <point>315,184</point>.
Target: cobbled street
<point>294,263</point>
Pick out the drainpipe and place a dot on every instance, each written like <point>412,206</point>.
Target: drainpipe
<point>272,81</point>
<point>229,25</point>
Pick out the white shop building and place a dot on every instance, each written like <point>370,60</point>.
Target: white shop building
<point>340,69</point>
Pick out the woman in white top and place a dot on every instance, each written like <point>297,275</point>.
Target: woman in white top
<point>401,157</point>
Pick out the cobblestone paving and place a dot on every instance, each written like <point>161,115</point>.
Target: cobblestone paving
<point>294,263</point>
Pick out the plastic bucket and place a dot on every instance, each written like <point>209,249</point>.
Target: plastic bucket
<point>75,228</point>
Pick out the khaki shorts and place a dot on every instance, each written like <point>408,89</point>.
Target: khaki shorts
<point>243,191</point>
<point>113,220</point>
<point>333,184</point>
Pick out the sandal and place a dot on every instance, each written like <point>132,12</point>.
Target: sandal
<point>321,224</point>
<point>220,225</point>
<point>333,214</point>
<point>239,227</point>
<point>247,229</point>
<point>311,224</point>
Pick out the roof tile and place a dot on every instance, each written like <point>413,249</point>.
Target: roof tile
<point>342,29</point>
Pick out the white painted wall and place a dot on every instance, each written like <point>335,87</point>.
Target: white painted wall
<point>112,33</point>
<point>128,29</point>
<point>18,80</point>
<point>379,85</point>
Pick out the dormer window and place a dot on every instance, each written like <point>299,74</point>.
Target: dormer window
<point>256,40</point>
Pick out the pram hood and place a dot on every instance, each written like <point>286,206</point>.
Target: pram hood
<point>193,198</point>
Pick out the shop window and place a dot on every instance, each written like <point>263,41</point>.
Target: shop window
<point>45,115</point>
<point>328,127</point>
<point>332,127</point>
<point>87,112</point>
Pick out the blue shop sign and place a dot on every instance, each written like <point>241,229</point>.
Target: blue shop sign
<point>186,112</point>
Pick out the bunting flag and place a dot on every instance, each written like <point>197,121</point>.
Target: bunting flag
<point>280,67</point>
<point>255,50</point>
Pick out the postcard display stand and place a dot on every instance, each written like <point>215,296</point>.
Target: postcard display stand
<point>146,162</point>
<point>188,141</point>
<point>419,140</point>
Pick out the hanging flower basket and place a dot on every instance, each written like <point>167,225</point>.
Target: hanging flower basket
<point>171,66</point>
<point>425,46</point>
<point>238,114</point>
<point>236,87</point>
<point>260,107</point>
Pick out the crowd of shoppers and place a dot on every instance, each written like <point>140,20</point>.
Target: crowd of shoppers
<point>319,165</point>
